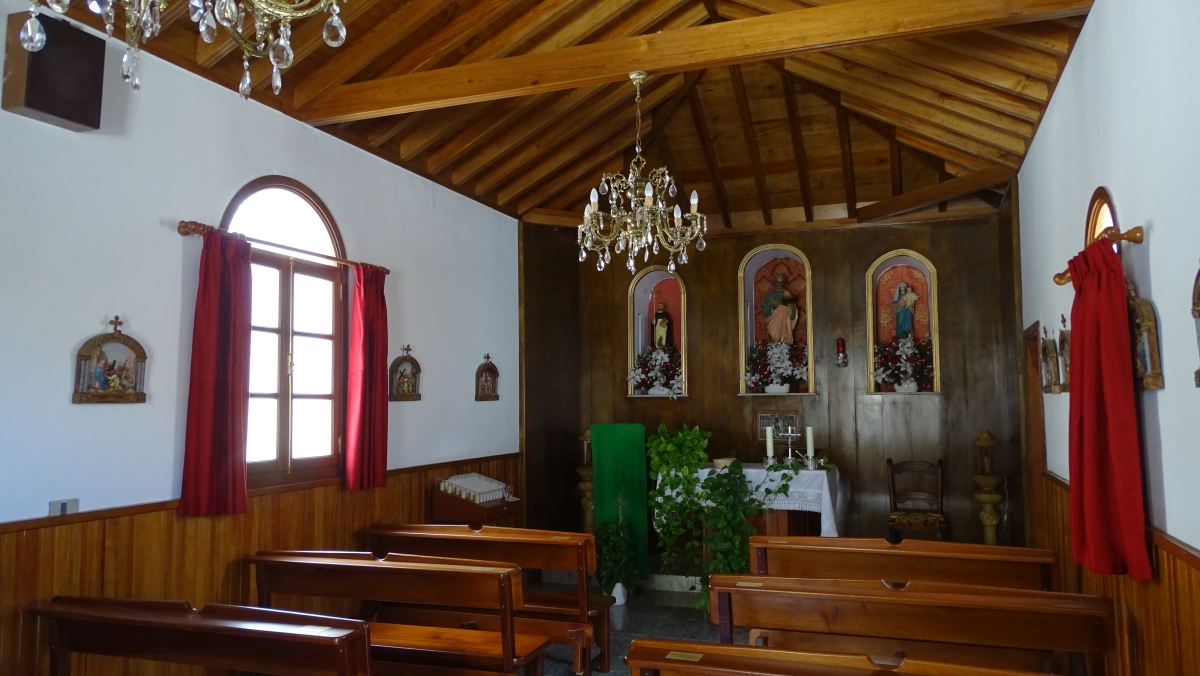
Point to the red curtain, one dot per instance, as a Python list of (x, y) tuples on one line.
[(214, 461), (1108, 523), (367, 385)]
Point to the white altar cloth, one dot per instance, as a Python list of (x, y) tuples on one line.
[(811, 491)]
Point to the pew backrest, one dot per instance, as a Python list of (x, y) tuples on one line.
[(220, 636), (878, 559)]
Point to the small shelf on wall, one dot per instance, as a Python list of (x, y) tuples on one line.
[(655, 396), (767, 394)]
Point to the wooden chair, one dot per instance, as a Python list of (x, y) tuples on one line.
[(477, 586), (528, 548), (878, 559), (220, 636), (914, 510), (650, 657), (927, 612)]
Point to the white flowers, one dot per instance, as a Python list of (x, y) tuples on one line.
[(783, 364), (654, 370)]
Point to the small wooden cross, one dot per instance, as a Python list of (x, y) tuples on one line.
[(407, 349), (487, 357), (116, 323), (621, 504), (1063, 319)]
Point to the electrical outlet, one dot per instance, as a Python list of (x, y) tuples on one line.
[(60, 507)]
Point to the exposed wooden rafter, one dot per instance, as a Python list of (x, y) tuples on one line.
[(710, 154), (937, 193), (747, 120), (798, 152)]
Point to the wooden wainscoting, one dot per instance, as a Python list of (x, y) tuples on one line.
[(1158, 622), (153, 552)]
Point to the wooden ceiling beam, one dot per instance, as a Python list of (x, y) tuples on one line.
[(935, 194), (357, 54), (384, 130), (967, 126), (896, 167), (798, 152), (727, 43), (425, 135), (843, 125), (498, 115), (922, 127), (870, 79), (954, 63), (926, 147), (613, 97), (747, 124), (700, 120), (1050, 37), (1002, 53), (586, 139), (610, 150), (552, 217)]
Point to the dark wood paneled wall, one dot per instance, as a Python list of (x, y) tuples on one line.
[(979, 356), (153, 552), (550, 375)]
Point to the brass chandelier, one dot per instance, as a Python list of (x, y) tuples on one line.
[(639, 219)]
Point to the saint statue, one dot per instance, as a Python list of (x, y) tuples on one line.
[(780, 308), (662, 328), (904, 304)]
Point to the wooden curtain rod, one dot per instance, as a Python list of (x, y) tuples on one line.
[(1112, 234), (196, 228)]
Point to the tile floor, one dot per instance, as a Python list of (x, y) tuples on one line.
[(650, 614)]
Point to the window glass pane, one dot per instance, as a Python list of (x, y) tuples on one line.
[(262, 428), (264, 362), (264, 296), (281, 216), (312, 305), (312, 428), (312, 365)]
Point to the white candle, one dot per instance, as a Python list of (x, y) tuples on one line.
[(808, 440), (770, 442)]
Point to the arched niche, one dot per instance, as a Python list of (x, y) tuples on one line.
[(651, 287), (756, 283), (902, 302)]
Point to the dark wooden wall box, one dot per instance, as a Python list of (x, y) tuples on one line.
[(63, 83), (451, 509)]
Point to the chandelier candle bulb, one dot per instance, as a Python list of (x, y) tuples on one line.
[(595, 199), (808, 441), (695, 200)]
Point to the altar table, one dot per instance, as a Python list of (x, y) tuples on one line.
[(809, 491)]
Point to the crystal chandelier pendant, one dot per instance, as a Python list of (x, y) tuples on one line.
[(335, 30), (32, 36), (128, 64), (247, 84), (276, 80), (60, 6), (241, 20), (195, 10), (227, 11), (700, 244), (109, 16), (582, 255), (208, 24), (95, 6), (281, 50), (671, 264)]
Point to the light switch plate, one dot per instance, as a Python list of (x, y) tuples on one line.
[(60, 507)]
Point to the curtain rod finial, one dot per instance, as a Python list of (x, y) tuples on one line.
[(192, 228)]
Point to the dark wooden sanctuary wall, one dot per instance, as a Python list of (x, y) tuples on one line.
[(859, 431)]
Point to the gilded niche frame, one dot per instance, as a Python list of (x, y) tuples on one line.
[(631, 338), (931, 276), (742, 328)]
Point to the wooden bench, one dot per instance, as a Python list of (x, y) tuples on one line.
[(650, 657), (220, 636), (878, 559), (561, 612), (928, 612), (417, 581)]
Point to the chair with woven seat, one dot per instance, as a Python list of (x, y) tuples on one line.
[(914, 510)]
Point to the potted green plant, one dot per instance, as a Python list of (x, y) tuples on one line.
[(614, 565), (675, 459)]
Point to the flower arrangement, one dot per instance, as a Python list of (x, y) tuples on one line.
[(658, 368), (905, 362), (776, 363)]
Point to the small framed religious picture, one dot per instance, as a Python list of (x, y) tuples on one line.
[(404, 378), (487, 380), (779, 421), (1051, 382), (110, 369), (1146, 356), (1064, 354)]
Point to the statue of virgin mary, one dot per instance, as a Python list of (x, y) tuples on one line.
[(904, 304)]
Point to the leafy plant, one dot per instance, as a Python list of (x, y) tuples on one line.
[(675, 458), (614, 551)]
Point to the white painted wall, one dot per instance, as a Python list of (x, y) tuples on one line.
[(1124, 116), (88, 231)]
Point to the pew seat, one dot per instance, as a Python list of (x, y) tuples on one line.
[(649, 657), (471, 648)]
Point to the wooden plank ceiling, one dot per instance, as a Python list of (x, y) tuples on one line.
[(804, 136)]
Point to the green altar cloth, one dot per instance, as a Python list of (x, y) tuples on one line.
[(619, 477)]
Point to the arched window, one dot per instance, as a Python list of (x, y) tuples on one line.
[(297, 361), (1101, 215)]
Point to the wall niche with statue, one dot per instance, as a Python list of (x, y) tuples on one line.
[(902, 324), (657, 355), (775, 321)]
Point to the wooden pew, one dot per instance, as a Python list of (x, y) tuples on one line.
[(528, 548), (928, 612), (878, 559), (220, 636), (478, 586), (650, 657)]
